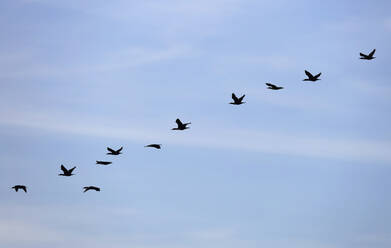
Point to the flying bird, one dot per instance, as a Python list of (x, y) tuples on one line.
[(91, 188), (369, 56), (157, 146), (114, 152), (103, 162), (18, 187), (311, 77), (237, 101), (273, 87), (66, 172), (181, 126)]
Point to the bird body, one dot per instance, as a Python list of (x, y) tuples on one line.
[(157, 146), (114, 152), (181, 126), (273, 87), (18, 187), (66, 172), (237, 101), (87, 188), (103, 162), (369, 56), (311, 77)]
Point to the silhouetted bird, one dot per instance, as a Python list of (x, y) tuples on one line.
[(66, 172), (103, 162), (157, 146), (91, 188), (311, 77), (237, 101), (181, 126), (18, 187), (114, 152), (369, 56), (273, 87)]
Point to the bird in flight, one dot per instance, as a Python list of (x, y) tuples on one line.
[(103, 162), (181, 126), (114, 152), (273, 87), (18, 187), (237, 101), (157, 146), (91, 188), (369, 56), (311, 77), (66, 172)]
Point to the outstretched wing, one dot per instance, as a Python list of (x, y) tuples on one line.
[(64, 169), (308, 74), (317, 75), (241, 98), (70, 171), (372, 53), (270, 85), (363, 55), (178, 122), (234, 97), (110, 150), (120, 149)]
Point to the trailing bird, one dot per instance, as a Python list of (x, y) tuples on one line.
[(157, 146), (273, 87), (103, 162), (181, 126), (311, 77), (18, 187), (114, 152), (66, 172), (369, 56), (91, 188), (237, 101)]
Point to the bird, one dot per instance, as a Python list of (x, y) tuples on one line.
[(157, 146), (18, 187), (311, 77), (273, 87), (66, 172), (369, 56), (114, 152), (91, 188), (103, 162), (237, 101), (181, 126)]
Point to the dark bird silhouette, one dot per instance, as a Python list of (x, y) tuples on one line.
[(66, 172), (237, 101), (91, 188), (18, 187), (273, 87), (369, 56), (157, 146), (114, 152), (103, 162), (181, 126), (311, 77)]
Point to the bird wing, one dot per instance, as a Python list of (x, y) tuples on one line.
[(64, 169), (363, 55), (308, 74), (24, 188), (234, 97), (372, 53), (86, 189), (271, 85), (317, 75), (120, 149), (241, 98), (110, 150), (70, 170), (178, 122)]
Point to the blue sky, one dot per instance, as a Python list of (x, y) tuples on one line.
[(304, 167)]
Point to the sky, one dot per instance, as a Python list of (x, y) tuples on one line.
[(304, 167)]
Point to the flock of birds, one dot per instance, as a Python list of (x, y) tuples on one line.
[(182, 126)]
